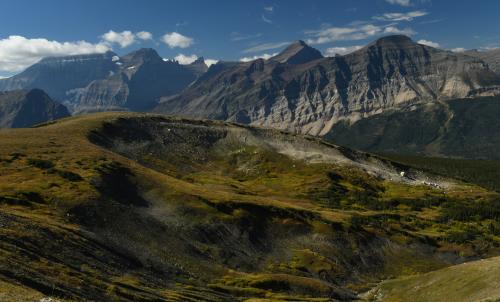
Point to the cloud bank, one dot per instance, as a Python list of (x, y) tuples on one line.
[(18, 52), (333, 51), (175, 39), (428, 43), (264, 56)]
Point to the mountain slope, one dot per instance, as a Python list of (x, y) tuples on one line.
[(136, 207), (459, 128), (20, 108), (310, 94), (474, 281)]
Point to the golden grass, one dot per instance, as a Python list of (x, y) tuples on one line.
[(473, 281)]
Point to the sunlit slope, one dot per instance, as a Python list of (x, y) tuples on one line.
[(134, 207), (473, 281)]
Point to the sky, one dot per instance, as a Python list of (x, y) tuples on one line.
[(233, 30)]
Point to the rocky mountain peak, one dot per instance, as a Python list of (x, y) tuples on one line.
[(198, 66), (200, 60), (298, 53), (142, 55)]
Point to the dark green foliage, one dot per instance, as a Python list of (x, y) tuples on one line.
[(471, 210), (378, 220), (394, 131), (116, 182), (462, 236), (69, 175), (416, 204), (450, 128), (485, 173), (40, 163), (335, 192), (49, 167)]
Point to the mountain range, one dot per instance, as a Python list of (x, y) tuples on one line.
[(348, 99), (101, 82), (300, 91), (210, 206)]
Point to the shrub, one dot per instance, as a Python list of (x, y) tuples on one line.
[(69, 175), (40, 163)]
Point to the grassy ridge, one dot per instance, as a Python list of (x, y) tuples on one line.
[(178, 210)]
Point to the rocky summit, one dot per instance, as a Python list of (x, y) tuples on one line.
[(298, 90)]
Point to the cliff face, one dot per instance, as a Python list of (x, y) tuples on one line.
[(299, 91), (20, 109)]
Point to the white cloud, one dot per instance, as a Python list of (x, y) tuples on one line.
[(458, 49), (144, 35), (429, 43), (396, 31), (332, 51), (359, 31), (124, 38), (265, 19), (391, 17), (236, 36), (184, 59), (18, 52), (269, 8), (265, 46), (175, 39), (211, 62), (264, 56), (399, 2), (2, 77)]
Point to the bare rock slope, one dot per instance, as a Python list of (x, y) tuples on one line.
[(301, 91)]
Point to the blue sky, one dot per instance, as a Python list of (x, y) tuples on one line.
[(233, 30)]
